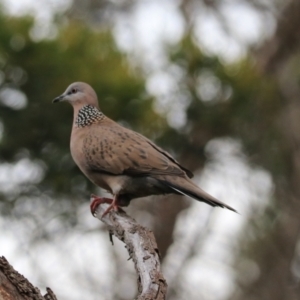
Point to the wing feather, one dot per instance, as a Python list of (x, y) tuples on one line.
[(113, 149)]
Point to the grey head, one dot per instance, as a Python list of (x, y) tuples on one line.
[(78, 94)]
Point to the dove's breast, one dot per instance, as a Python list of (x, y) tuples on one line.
[(111, 183)]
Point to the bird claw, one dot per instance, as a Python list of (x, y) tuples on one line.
[(96, 201)]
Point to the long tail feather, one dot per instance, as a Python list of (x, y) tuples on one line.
[(193, 191)]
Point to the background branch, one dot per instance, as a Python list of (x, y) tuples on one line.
[(14, 286)]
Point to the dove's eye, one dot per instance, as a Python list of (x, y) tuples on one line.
[(74, 91)]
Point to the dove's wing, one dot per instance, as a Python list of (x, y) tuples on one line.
[(111, 148)]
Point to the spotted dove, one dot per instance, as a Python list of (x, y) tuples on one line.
[(121, 161)]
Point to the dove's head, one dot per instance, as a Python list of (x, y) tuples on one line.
[(78, 94)]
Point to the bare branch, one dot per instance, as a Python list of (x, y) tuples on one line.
[(142, 248)]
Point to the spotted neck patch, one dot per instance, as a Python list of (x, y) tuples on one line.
[(88, 115)]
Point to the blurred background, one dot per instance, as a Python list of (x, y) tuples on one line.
[(214, 82)]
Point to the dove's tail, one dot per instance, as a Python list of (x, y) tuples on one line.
[(189, 188)]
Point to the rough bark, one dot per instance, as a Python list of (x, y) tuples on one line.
[(14, 286), (142, 248)]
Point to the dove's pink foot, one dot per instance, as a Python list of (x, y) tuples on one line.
[(96, 201), (100, 200)]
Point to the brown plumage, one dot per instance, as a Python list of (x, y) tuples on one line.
[(121, 161)]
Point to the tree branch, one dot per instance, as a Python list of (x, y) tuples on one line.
[(142, 248), (14, 286)]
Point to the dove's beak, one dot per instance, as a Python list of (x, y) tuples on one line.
[(58, 99)]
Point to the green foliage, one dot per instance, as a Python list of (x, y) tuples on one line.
[(42, 70), (245, 105), (240, 103)]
